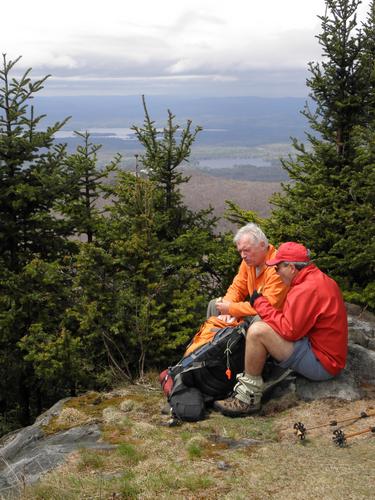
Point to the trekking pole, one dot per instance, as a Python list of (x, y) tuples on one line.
[(301, 431), (339, 437)]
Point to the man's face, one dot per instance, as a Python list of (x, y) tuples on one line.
[(254, 254), (286, 272)]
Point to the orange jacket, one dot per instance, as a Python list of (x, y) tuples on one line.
[(246, 281)]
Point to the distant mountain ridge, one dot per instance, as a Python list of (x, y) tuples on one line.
[(232, 121)]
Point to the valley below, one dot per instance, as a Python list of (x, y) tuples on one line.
[(205, 190)]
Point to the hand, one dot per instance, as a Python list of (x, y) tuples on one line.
[(223, 306), (254, 296)]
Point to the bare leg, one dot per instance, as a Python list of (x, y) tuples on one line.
[(261, 340)]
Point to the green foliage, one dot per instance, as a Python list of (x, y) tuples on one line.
[(48, 345), (339, 83), (129, 453), (96, 316), (32, 242), (38, 351), (240, 217), (142, 297), (329, 203), (163, 159), (30, 164), (86, 183)]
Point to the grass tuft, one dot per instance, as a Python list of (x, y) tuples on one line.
[(90, 459), (129, 453), (194, 450), (129, 490)]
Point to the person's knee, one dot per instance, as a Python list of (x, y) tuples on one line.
[(258, 329)]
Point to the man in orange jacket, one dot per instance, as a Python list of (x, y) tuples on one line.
[(253, 274), (309, 335)]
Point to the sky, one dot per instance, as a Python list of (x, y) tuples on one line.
[(167, 47)]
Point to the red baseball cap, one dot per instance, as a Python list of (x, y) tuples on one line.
[(290, 252)]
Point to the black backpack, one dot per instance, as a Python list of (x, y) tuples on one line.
[(207, 374)]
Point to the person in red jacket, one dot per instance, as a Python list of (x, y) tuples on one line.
[(309, 335)]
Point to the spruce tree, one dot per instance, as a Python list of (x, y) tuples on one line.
[(86, 181), (30, 183), (368, 61), (165, 155), (319, 207), (30, 167)]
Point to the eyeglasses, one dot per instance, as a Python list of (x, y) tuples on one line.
[(282, 264)]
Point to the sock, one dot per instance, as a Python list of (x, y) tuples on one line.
[(247, 386)]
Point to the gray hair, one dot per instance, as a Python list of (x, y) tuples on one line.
[(252, 231), (298, 265)]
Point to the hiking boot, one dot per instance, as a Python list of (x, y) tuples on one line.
[(234, 407), (246, 398)]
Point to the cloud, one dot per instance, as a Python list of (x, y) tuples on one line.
[(253, 82), (165, 43), (194, 19)]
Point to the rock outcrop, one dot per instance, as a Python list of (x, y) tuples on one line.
[(29, 452)]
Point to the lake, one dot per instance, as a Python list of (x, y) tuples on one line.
[(257, 161), (127, 134)]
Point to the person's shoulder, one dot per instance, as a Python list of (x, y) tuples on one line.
[(329, 280), (324, 283), (307, 279), (316, 273)]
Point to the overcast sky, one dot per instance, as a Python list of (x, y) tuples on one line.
[(186, 47)]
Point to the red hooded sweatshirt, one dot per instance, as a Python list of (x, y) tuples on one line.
[(314, 307)]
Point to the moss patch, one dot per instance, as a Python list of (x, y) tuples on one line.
[(87, 408)]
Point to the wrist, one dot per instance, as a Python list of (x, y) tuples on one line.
[(254, 296)]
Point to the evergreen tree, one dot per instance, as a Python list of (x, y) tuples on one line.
[(166, 153), (86, 181), (30, 183), (368, 61), (30, 166), (320, 206), (358, 245), (189, 244), (339, 85)]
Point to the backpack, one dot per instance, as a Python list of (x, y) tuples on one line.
[(206, 373)]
